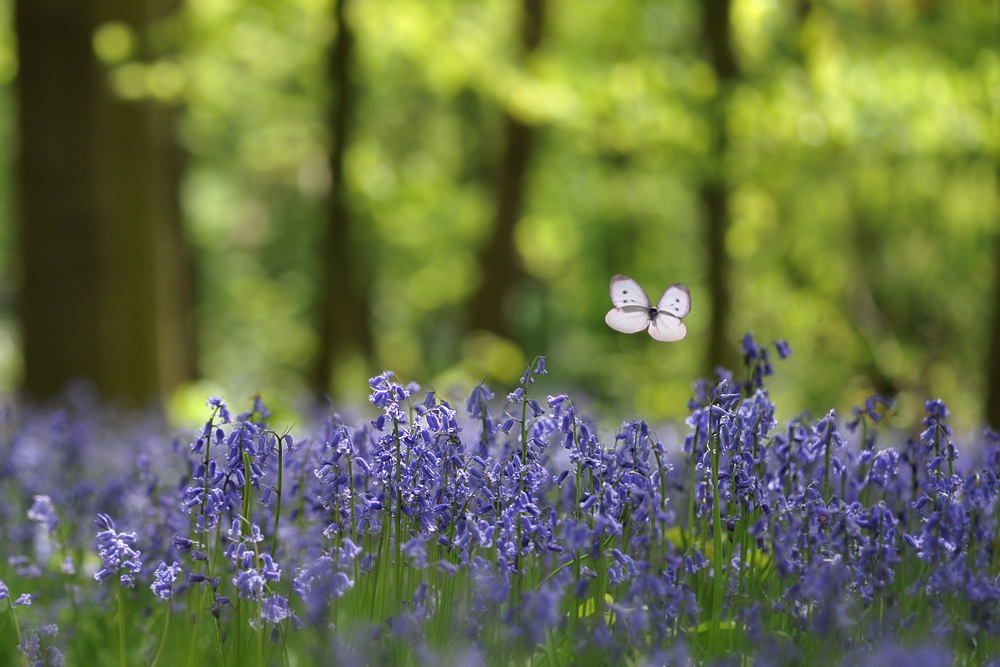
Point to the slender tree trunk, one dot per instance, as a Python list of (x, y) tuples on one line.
[(993, 345), (499, 261), (344, 313), (96, 205), (715, 186), (59, 218), (714, 201), (125, 168), (175, 270)]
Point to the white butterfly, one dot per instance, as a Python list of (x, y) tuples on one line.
[(633, 312)]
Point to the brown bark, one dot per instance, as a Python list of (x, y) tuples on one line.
[(499, 260), (59, 230), (97, 205), (714, 189), (124, 166), (344, 313), (993, 345), (714, 200), (175, 271), (175, 279)]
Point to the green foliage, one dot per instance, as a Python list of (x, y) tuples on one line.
[(862, 159)]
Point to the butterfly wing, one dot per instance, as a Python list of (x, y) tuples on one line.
[(667, 328), (626, 292), (676, 300), (628, 319)]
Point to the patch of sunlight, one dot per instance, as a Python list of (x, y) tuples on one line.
[(114, 42), (487, 355)]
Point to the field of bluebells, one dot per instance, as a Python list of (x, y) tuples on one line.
[(499, 532)]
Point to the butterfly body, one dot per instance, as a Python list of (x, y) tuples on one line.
[(633, 311)]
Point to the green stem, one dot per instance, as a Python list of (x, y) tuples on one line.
[(354, 523), (277, 511), (17, 628), (826, 469), (743, 550), (301, 513), (197, 624), (204, 503), (163, 640), (951, 463), (717, 543), (121, 626), (482, 410), (691, 494), (663, 499), (234, 650), (398, 541), (524, 435)]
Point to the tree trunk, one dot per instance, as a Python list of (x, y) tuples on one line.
[(714, 200), (993, 345), (344, 313), (97, 205), (59, 218), (714, 190), (499, 261), (175, 270)]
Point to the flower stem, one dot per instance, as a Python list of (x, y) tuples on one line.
[(691, 494), (826, 469), (121, 626), (717, 544), (163, 641), (277, 510), (17, 628)]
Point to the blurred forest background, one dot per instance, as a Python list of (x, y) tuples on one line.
[(288, 196)]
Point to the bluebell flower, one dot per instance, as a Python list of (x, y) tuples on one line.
[(163, 580), (896, 656), (475, 405), (275, 609), (220, 405), (24, 567), (118, 557), (259, 407), (348, 552), (750, 350), (416, 551), (42, 512), (249, 583), (269, 568), (936, 411), (30, 647)]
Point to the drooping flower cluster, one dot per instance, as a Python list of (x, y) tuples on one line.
[(118, 557)]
